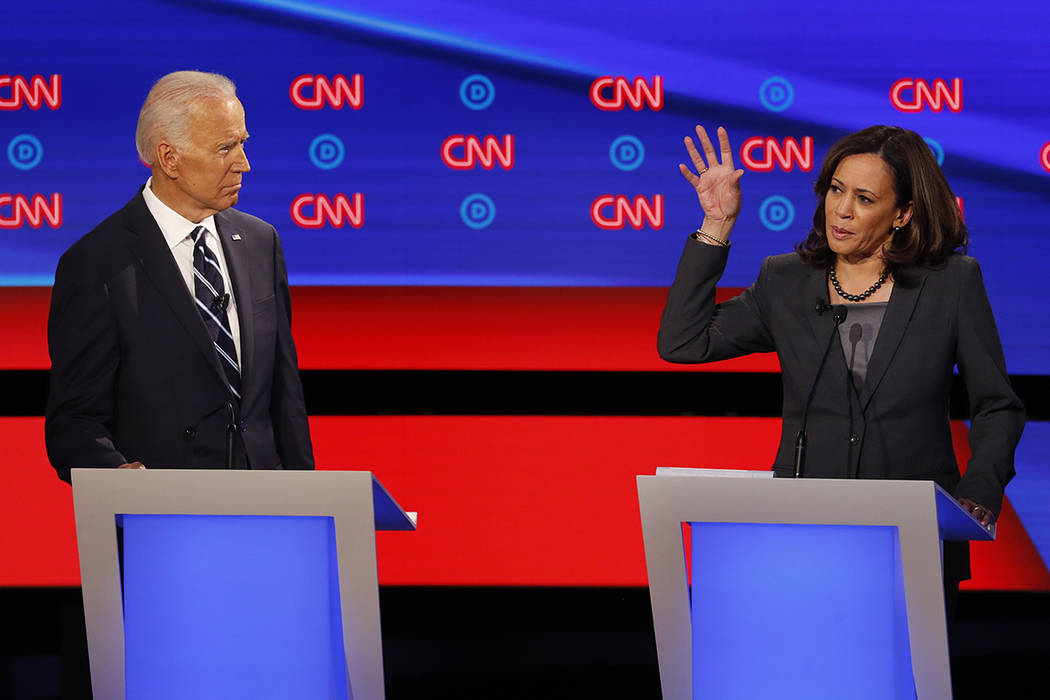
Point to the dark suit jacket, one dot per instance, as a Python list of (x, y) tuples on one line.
[(934, 321), (134, 376)]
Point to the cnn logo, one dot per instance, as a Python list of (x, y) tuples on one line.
[(461, 152), (17, 90), (614, 93), (315, 91), (34, 211), (617, 211), (314, 211), (764, 153), (915, 95)]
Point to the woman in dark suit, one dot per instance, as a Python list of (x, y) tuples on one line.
[(886, 243)]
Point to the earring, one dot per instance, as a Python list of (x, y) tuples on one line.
[(896, 229)]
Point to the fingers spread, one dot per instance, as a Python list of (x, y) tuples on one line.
[(727, 151), (693, 155), (689, 175), (709, 150)]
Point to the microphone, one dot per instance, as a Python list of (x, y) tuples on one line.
[(221, 302), (820, 307), (838, 315)]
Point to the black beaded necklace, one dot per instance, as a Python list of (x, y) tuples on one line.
[(856, 297)]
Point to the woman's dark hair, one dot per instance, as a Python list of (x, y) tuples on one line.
[(936, 229)]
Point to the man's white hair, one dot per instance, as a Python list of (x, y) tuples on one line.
[(169, 106)]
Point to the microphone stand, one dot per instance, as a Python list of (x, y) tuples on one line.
[(231, 428), (838, 315)]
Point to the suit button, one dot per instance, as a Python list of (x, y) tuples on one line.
[(189, 434), (243, 427), (854, 439)]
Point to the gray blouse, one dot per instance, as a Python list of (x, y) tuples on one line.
[(858, 333)]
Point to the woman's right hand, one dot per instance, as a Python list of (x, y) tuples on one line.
[(716, 181)]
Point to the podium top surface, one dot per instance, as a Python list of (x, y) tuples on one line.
[(716, 498), (234, 492)]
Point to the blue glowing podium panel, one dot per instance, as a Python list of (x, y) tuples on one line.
[(798, 612), (219, 606), (236, 584), (801, 588)]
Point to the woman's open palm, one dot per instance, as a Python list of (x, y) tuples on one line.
[(716, 181)]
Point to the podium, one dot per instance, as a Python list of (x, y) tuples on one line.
[(800, 588), (232, 584)]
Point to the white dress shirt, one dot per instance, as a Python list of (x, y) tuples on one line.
[(177, 230)]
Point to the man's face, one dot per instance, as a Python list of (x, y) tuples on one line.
[(210, 166)]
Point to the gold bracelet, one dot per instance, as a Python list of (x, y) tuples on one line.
[(714, 239)]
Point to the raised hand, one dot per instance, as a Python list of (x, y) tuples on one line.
[(716, 181)]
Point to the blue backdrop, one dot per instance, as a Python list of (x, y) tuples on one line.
[(431, 70)]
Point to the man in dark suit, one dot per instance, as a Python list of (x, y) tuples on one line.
[(170, 323)]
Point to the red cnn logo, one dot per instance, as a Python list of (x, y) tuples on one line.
[(33, 92), (787, 154), (33, 212), (1044, 156), (923, 95), (962, 212), (614, 93), (616, 211), (336, 92), (336, 211), (474, 151)]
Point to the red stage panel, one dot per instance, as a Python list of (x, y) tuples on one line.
[(503, 500), (507, 328), (23, 313), (528, 500), (37, 538)]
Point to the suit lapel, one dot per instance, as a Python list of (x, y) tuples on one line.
[(898, 313), (157, 262), (233, 247), (815, 290)]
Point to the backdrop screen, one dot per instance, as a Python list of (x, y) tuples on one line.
[(399, 142)]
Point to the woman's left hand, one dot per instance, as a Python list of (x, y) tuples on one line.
[(985, 516)]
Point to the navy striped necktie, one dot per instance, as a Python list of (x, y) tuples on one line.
[(212, 300)]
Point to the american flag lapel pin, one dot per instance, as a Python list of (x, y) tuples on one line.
[(236, 236)]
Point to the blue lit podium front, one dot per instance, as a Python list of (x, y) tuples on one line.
[(800, 588), (232, 584)]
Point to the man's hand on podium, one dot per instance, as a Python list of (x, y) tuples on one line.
[(132, 465), (983, 515)]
